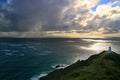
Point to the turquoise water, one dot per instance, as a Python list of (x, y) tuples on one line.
[(28, 59)]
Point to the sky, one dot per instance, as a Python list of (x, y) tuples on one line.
[(60, 18)]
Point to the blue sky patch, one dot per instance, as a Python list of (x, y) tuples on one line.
[(101, 2)]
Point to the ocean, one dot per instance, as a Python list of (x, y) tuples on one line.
[(30, 58)]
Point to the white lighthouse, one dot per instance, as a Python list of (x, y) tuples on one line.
[(109, 50)]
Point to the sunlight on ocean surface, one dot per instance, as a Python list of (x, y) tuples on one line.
[(100, 45), (96, 47), (29, 59)]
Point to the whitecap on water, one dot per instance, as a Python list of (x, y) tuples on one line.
[(15, 51), (43, 54), (47, 51), (22, 54), (8, 54), (16, 45), (6, 50)]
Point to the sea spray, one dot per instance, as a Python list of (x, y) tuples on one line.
[(37, 77)]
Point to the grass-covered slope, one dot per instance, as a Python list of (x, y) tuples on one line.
[(103, 66)]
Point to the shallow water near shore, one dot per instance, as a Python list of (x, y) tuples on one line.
[(29, 59)]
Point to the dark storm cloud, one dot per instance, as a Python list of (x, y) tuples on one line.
[(32, 15), (39, 14)]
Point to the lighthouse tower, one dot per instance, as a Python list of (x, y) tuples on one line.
[(109, 50)]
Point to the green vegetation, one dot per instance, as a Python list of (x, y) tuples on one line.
[(103, 66)]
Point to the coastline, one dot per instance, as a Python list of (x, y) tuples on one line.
[(37, 77), (88, 68)]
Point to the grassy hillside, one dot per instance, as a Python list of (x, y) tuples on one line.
[(103, 66)]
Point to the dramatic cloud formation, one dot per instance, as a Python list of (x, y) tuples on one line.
[(53, 17)]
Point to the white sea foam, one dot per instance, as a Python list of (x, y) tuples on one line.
[(43, 54), (22, 54), (47, 51), (37, 77), (8, 54), (6, 50), (16, 45), (15, 51)]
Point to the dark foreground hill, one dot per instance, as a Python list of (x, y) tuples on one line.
[(103, 66)]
